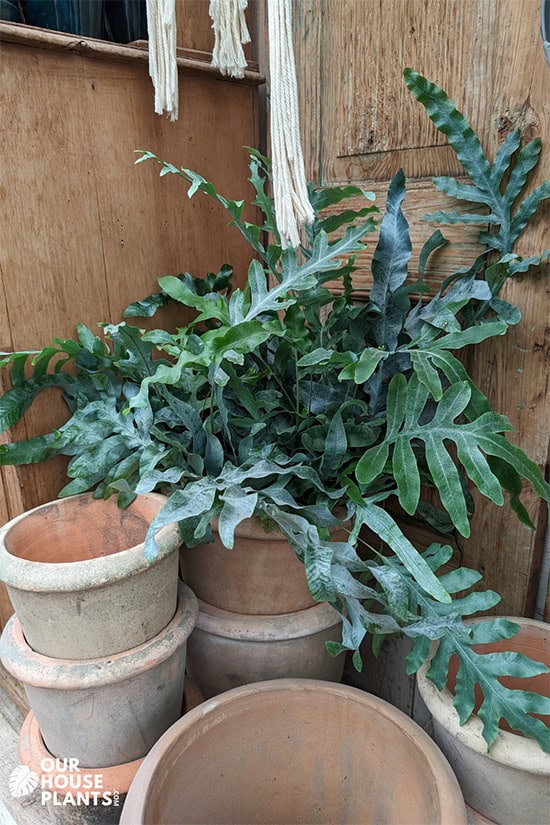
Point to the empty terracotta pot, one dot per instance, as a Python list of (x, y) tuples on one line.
[(510, 783), (261, 575), (294, 751), (230, 649), (109, 710), (78, 578)]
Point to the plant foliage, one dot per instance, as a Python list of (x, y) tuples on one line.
[(284, 400)]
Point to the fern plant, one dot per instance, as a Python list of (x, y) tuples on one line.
[(283, 401)]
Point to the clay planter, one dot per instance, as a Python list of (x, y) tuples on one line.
[(78, 578), (115, 780), (511, 783), (229, 649), (295, 751), (260, 576), (109, 710)]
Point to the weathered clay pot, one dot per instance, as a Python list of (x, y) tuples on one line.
[(109, 710), (115, 780), (229, 649), (295, 751), (509, 784), (78, 578), (261, 575)]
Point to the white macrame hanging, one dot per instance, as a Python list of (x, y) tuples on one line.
[(163, 67), (292, 206), (230, 33)]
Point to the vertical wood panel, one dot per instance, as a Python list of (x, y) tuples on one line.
[(361, 125), (514, 371), (194, 26), (84, 231)]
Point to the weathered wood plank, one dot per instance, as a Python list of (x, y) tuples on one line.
[(14, 691), (194, 26), (514, 370), (191, 60), (364, 125), (422, 198), (87, 232)]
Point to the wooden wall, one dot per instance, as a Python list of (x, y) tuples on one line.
[(360, 124), (84, 232)]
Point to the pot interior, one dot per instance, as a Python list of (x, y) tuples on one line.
[(79, 528), (307, 756), (533, 641)]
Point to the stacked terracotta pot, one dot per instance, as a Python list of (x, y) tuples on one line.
[(257, 619), (99, 636)]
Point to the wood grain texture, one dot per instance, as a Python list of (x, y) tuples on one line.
[(361, 125), (421, 197), (194, 26), (190, 60), (84, 232)]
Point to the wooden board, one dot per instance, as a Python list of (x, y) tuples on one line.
[(84, 232), (194, 26), (360, 124)]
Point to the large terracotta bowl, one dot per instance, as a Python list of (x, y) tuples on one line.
[(294, 751)]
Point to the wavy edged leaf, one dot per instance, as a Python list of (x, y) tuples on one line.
[(487, 180), (486, 670), (383, 525), (196, 499), (15, 401), (393, 250), (445, 116), (472, 440)]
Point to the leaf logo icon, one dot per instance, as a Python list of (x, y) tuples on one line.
[(22, 781)]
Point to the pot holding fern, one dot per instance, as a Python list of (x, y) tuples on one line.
[(260, 575), (508, 781), (254, 572)]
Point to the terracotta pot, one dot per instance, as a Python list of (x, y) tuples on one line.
[(114, 781), (260, 576), (109, 710), (295, 751), (78, 578), (509, 784), (228, 649)]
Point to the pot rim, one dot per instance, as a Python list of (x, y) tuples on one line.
[(89, 574), (509, 748), (266, 628), (47, 673), (214, 710)]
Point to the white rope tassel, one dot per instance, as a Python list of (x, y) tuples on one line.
[(163, 68), (292, 206), (230, 32)]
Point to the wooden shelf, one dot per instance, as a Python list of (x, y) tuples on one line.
[(189, 60)]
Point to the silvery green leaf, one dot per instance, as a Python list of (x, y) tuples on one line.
[(194, 500), (238, 505)]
